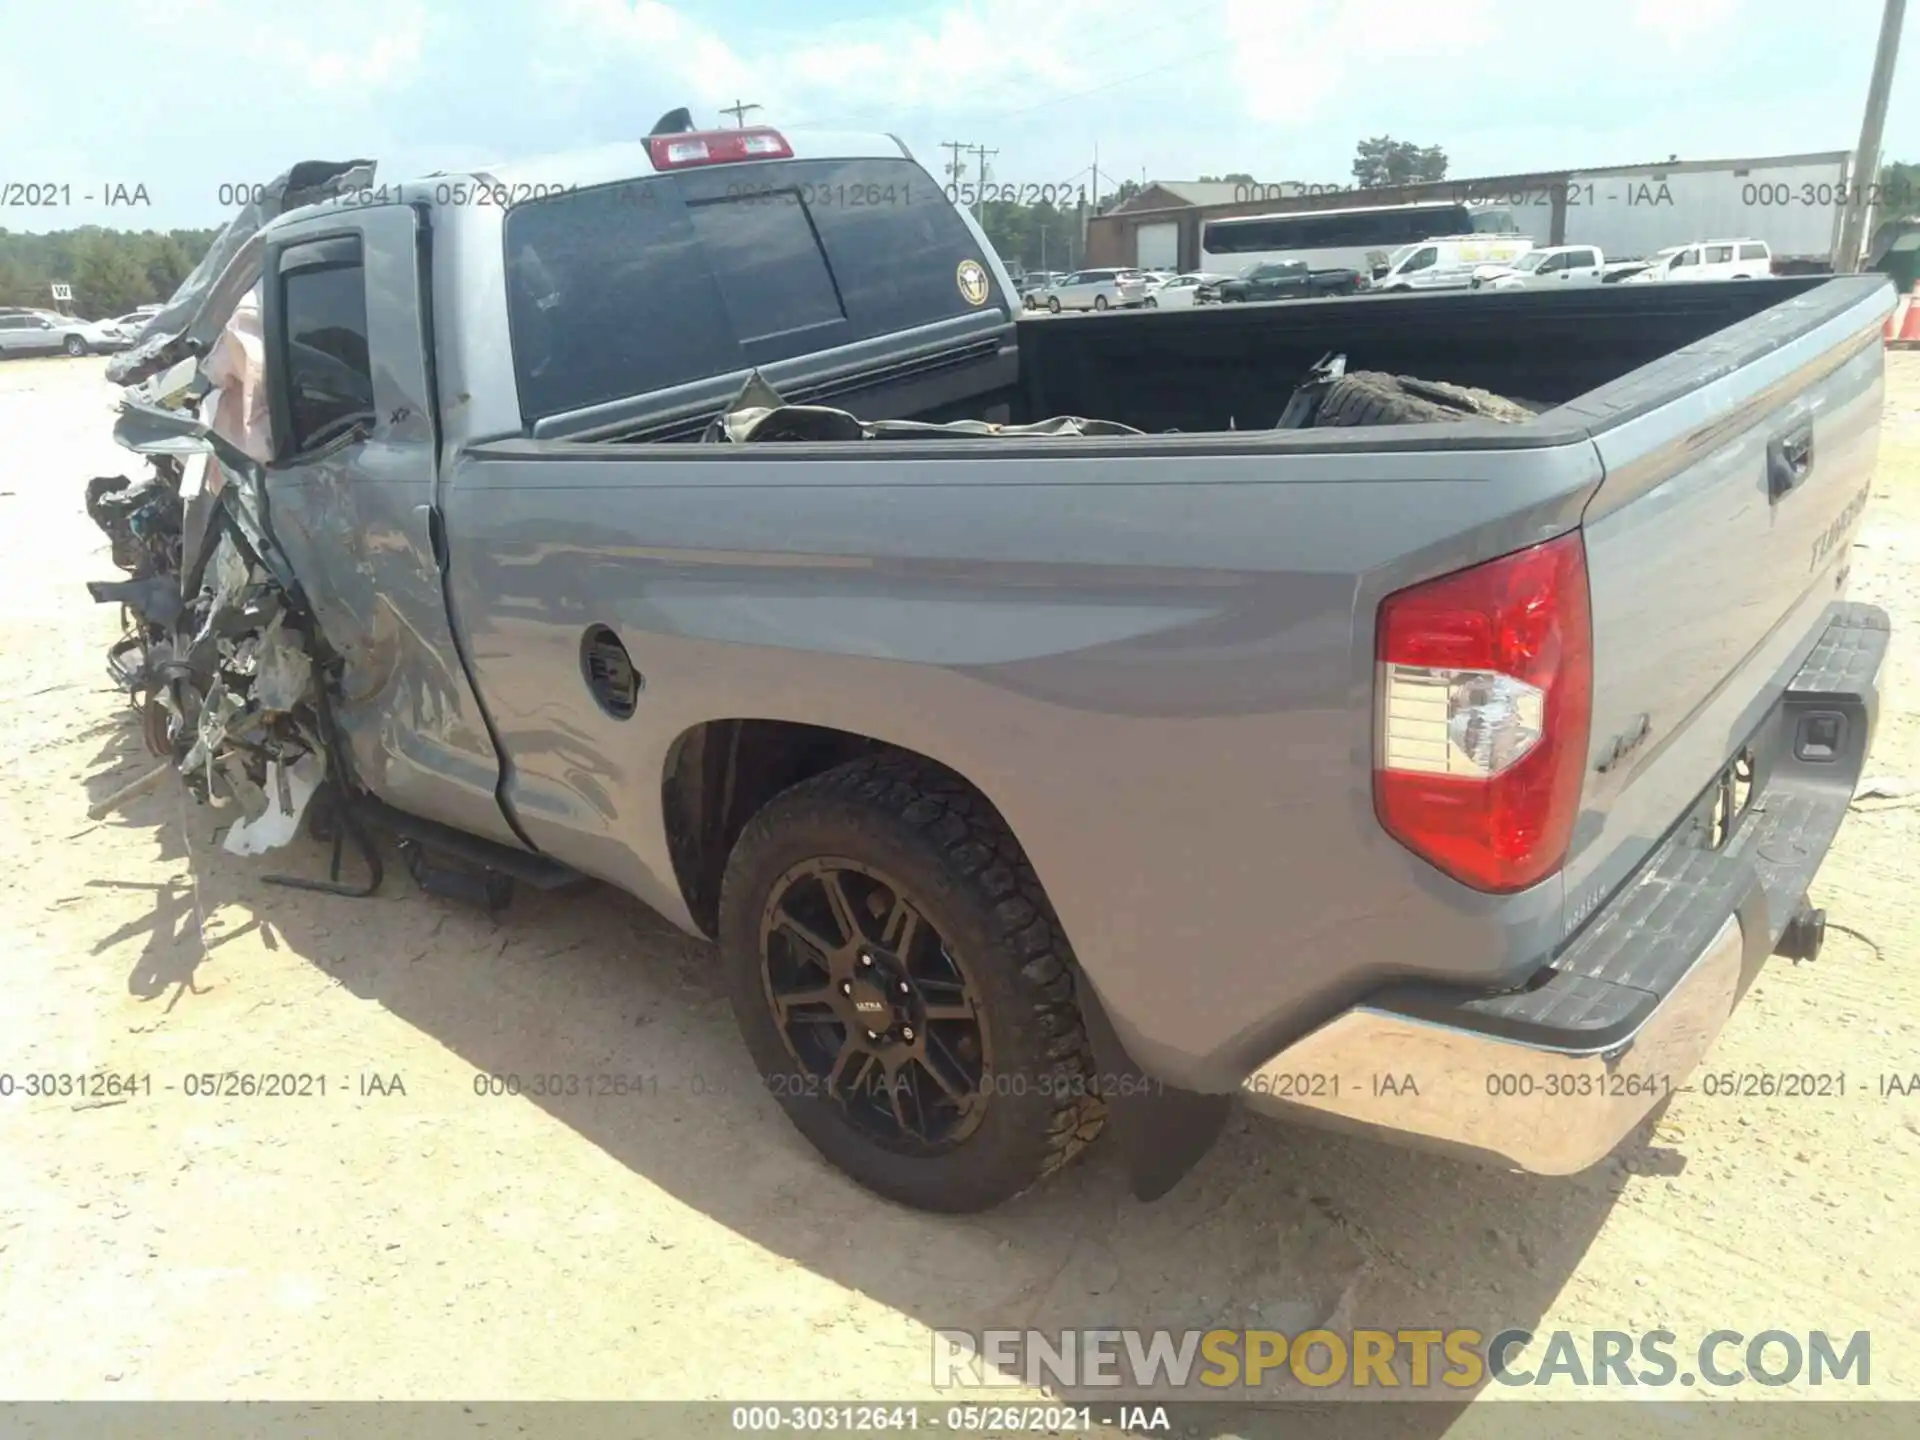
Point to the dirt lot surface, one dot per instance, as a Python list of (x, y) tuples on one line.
[(412, 1239)]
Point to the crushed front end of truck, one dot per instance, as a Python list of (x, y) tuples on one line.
[(219, 654)]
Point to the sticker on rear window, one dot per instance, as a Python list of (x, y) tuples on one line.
[(972, 278)]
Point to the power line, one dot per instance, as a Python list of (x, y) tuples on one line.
[(739, 110)]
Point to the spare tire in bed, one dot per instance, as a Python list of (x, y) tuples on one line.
[(1369, 397)]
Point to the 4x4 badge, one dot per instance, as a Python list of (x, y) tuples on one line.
[(972, 279)]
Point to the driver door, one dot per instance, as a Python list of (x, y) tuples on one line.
[(351, 500)]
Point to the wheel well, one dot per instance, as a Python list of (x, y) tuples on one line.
[(719, 775)]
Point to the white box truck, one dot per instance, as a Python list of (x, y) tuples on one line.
[(1793, 202)]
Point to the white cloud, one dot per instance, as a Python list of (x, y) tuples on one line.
[(1680, 23), (391, 59), (696, 55), (1278, 88), (975, 57), (368, 45)]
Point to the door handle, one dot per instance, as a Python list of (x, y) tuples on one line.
[(1789, 460)]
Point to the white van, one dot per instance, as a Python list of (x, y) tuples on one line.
[(1447, 262), (1708, 260)]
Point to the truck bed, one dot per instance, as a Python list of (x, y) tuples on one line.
[(1231, 368), (1214, 368)]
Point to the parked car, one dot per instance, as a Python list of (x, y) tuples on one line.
[(105, 336), (1034, 285), (40, 332), (1199, 766), (1447, 262), (1097, 290), (1554, 266), (1707, 260), (135, 321), (1180, 291), (1282, 280), (1151, 282)]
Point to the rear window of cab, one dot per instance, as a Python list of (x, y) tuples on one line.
[(625, 289)]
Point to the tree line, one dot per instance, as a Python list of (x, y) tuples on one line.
[(111, 271)]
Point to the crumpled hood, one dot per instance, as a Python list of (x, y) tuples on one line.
[(183, 328)]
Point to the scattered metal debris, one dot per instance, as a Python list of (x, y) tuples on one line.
[(218, 654)]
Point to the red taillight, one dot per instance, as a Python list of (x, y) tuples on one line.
[(717, 147), (1485, 697)]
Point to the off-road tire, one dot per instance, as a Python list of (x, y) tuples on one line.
[(1368, 397), (965, 871)]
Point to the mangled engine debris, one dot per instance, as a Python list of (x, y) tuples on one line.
[(218, 650), (217, 659)]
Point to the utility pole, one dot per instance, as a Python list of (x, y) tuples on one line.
[(739, 110), (1866, 160), (980, 154), (1086, 216), (956, 167)]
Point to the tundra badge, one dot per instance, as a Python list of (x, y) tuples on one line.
[(1843, 522)]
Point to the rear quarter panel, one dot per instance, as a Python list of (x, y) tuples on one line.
[(1155, 659)]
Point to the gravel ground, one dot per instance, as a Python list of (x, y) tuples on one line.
[(409, 1238)]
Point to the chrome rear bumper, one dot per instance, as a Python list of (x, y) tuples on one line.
[(1550, 1111)]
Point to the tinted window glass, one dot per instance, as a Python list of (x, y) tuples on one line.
[(1719, 254), (329, 379), (768, 261), (1753, 252), (1325, 231), (1243, 237), (12, 322), (657, 282)]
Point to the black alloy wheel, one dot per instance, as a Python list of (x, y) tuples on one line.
[(872, 1005), (904, 988)]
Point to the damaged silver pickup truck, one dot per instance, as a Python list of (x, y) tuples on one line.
[(1057, 724)]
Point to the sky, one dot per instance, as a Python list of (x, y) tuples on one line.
[(167, 101)]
